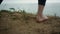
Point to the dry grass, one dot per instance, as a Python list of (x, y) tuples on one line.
[(23, 23)]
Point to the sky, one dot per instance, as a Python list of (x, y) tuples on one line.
[(29, 1)]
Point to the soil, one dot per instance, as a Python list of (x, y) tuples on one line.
[(25, 23)]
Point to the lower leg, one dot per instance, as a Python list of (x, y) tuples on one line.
[(40, 10), (40, 16)]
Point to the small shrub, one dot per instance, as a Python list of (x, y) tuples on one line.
[(55, 33), (14, 18), (0, 15), (12, 9)]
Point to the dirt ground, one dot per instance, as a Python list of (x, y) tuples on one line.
[(22, 23)]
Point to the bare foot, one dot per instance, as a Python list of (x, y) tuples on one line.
[(41, 19)]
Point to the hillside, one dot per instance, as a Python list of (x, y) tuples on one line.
[(25, 23)]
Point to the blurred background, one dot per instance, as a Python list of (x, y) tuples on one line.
[(52, 7)]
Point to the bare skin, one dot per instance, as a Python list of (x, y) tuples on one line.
[(40, 17)]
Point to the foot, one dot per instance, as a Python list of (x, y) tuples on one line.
[(41, 19)]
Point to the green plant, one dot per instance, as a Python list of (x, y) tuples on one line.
[(55, 16), (0, 15), (14, 17), (24, 14), (12, 8)]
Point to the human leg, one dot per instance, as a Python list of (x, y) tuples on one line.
[(41, 4), (1, 1)]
